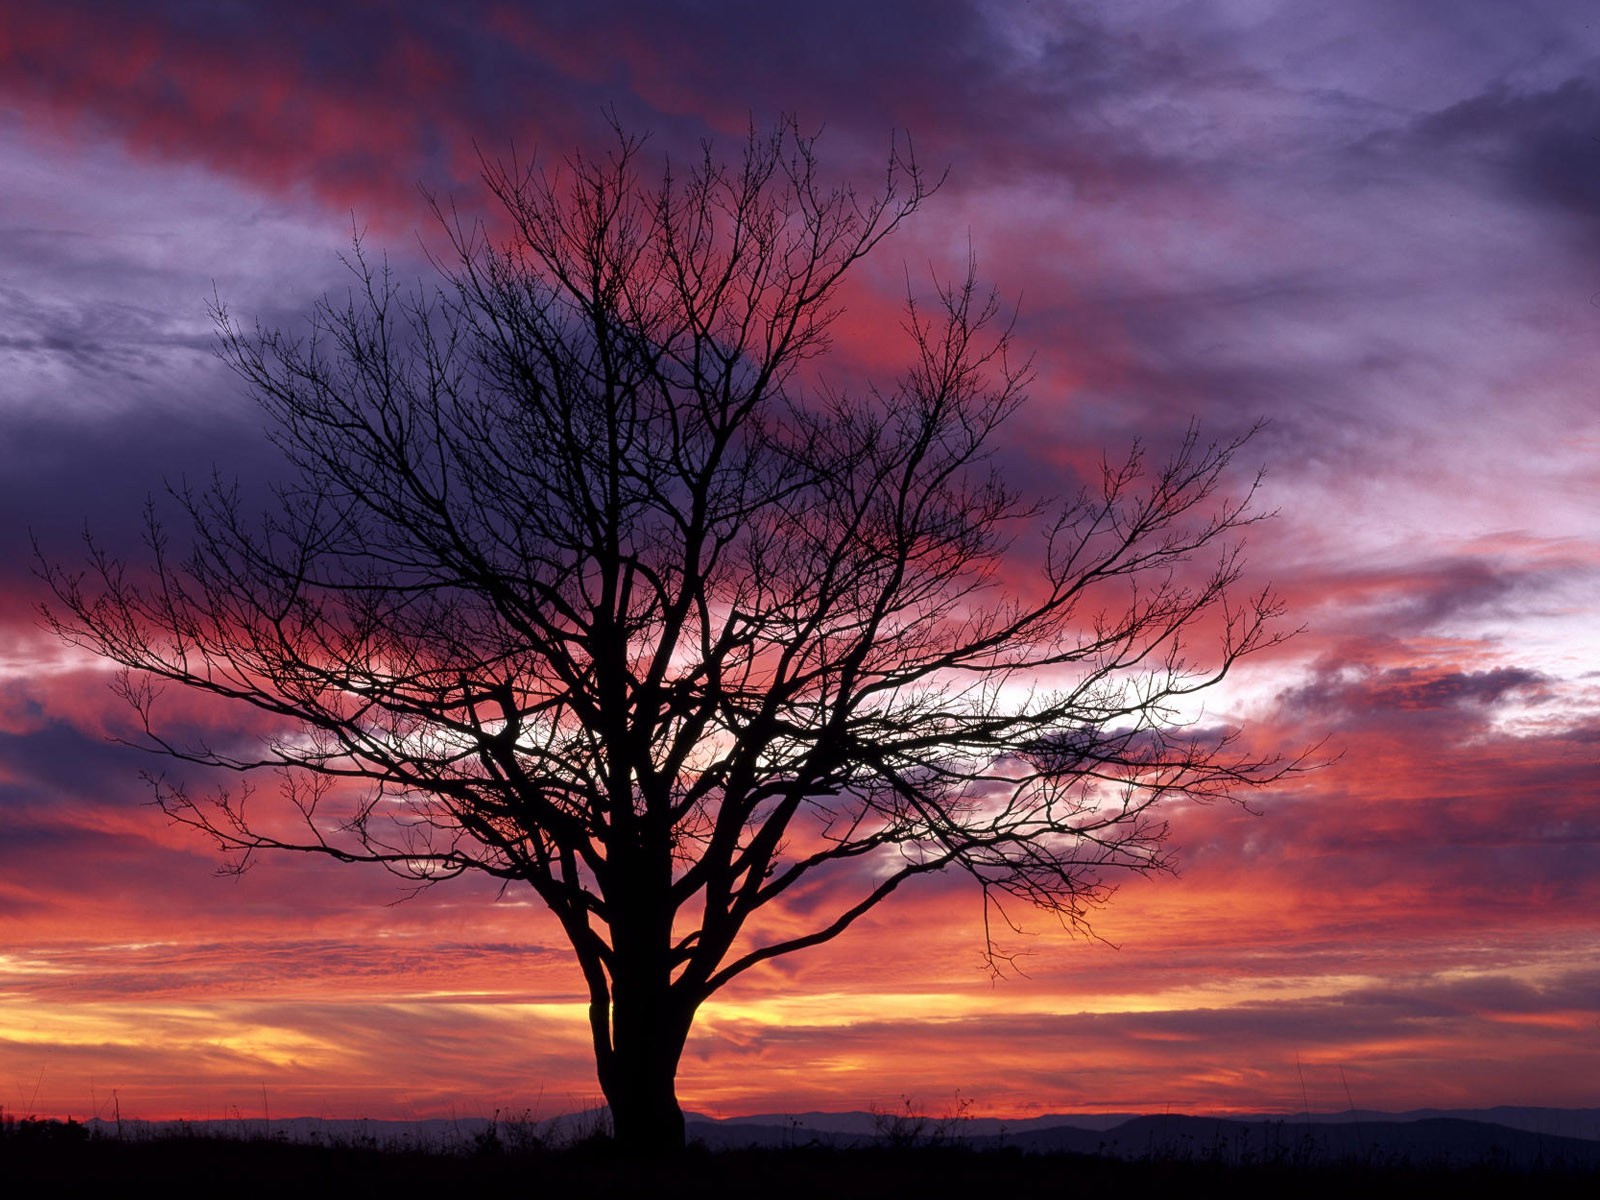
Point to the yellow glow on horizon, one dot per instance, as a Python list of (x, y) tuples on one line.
[(13, 964), (178, 1030), (839, 1009)]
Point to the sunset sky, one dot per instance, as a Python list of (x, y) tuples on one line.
[(1374, 224)]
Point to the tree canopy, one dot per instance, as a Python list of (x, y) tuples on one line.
[(587, 578)]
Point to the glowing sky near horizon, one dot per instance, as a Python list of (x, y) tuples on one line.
[(1374, 224)]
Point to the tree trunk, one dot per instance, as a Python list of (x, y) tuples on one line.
[(645, 1117), (640, 1077), (649, 1023)]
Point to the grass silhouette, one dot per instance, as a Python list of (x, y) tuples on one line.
[(40, 1157)]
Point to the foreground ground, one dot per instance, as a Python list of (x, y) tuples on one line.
[(68, 1162)]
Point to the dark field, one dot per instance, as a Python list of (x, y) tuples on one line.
[(49, 1159)]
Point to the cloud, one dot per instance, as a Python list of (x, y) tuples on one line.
[(1541, 146), (1340, 694), (1251, 1056)]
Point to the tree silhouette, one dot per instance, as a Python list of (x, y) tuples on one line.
[(577, 586)]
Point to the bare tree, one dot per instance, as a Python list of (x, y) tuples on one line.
[(579, 587)]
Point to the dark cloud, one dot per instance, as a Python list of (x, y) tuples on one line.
[(1543, 147), (1376, 608), (64, 470), (1485, 994), (1342, 693), (66, 759), (350, 103)]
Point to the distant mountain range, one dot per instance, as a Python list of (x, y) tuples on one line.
[(1511, 1137), (1517, 1137), (1559, 1122)]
